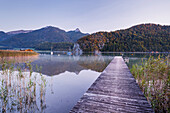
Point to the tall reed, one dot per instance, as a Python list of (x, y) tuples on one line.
[(19, 90), (153, 77)]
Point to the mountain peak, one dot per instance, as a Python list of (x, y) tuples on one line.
[(77, 30), (51, 28), (48, 27)]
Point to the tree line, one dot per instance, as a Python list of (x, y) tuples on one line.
[(140, 38)]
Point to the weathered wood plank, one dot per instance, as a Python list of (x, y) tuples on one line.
[(115, 90)]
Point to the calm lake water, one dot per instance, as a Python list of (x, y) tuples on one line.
[(66, 79)]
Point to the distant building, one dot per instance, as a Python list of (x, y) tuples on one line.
[(27, 50)]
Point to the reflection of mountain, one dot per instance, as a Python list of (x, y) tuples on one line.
[(53, 65), (65, 89)]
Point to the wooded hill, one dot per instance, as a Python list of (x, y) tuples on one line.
[(139, 38), (60, 46)]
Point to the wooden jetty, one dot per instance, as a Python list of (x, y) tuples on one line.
[(115, 90)]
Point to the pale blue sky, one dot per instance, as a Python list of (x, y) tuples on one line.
[(88, 15)]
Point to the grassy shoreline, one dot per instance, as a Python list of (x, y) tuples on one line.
[(6, 53), (153, 77)]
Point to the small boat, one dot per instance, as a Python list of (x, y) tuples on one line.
[(69, 53)]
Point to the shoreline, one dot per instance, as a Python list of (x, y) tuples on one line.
[(8, 53)]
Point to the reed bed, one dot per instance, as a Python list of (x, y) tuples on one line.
[(21, 89), (153, 77), (6, 53)]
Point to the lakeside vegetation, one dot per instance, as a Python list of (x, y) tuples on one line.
[(7, 53), (153, 77), (21, 90)]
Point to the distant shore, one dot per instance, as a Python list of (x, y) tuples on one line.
[(7, 53)]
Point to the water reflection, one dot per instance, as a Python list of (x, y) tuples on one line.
[(21, 92), (97, 63), (67, 89), (19, 59), (53, 64), (139, 58)]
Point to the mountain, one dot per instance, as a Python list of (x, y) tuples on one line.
[(77, 30), (75, 35), (36, 37), (3, 36), (139, 38), (11, 33)]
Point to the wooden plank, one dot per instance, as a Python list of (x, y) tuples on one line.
[(115, 90)]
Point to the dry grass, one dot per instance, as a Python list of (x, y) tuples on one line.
[(6, 53)]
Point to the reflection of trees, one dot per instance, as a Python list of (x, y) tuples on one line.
[(21, 91), (135, 61), (97, 63), (19, 59), (139, 58)]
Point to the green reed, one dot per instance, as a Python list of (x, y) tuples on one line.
[(19, 89), (153, 77)]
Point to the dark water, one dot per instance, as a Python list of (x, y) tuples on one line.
[(67, 78)]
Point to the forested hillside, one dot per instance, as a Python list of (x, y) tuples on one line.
[(60, 46), (140, 38)]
